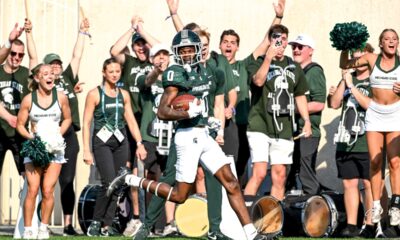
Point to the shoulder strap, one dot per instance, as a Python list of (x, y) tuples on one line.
[(311, 65)]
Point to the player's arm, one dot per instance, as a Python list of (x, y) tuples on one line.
[(165, 111), (301, 103), (219, 103)]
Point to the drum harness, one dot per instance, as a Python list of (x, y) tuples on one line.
[(345, 132), (281, 96)]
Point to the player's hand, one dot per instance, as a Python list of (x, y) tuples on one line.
[(85, 25), (196, 108), (12, 121)]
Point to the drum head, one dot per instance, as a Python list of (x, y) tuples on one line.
[(267, 215), (316, 217), (191, 217)]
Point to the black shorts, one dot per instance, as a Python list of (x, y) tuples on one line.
[(353, 165), (154, 160)]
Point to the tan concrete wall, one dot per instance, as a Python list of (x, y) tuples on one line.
[(56, 25)]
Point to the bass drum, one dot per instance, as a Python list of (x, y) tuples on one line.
[(191, 217), (267, 216), (316, 216), (87, 201)]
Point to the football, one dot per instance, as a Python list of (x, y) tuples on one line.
[(181, 102)]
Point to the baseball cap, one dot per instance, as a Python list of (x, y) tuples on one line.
[(51, 57), (157, 48), (305, 40), (136, 37)]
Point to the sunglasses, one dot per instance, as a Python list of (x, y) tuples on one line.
[(20, 55), (300, 47)]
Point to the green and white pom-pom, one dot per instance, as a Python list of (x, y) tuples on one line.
[(35, 149), (349, 36)]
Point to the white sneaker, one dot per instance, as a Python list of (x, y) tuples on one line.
[(394, 214), (29, 234), (379, 231), (376, 214), (170, 229), (132, 227), (43, 234)]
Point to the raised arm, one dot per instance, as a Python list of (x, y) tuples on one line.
[(117, 51), (173, 11), (263, 46), (366, 59), (66, 112), (6, 48), (90, 105), (261, 75), (30, 44), (147, 36), (79, 46), (133, 126)]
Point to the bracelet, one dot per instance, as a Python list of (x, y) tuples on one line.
[(84, 33), (134, 28), (7, 44), (138, 143), (280, 17)]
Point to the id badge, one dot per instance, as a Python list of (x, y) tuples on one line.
[(104, 134), (118, 134)]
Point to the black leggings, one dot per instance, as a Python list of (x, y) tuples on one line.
[(14, 145), (67, 175), (109, 158)]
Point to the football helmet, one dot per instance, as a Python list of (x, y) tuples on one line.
[(186, 38)]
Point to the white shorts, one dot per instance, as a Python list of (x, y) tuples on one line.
[(266, 149), (194, 145), (382, 118), (58, 158)]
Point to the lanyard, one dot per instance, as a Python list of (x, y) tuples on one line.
[(116, 108)]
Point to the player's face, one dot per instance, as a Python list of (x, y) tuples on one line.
[(301, 53), (46, 78), (16, 55), (112, 73), (205, 51), (389, 42), (229, 47), (187, 54), (57, 68), (141, 50)]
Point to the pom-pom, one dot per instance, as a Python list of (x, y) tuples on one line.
[(349, 36), (35, 149)]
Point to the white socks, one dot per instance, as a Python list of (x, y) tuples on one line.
[(250, 231), (43, 226), (377, 204)]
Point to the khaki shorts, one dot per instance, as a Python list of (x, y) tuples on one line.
[(272, 150)]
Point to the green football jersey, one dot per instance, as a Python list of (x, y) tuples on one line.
[(196, 83), (149, 100), (13, 88), (361, 144), (132, 69), (316, 82), (261, 120), (66, 84)]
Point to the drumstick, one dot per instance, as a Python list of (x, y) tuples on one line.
[(299, 136), (27, 7)]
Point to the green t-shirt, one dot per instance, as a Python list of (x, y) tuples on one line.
[(361, 144), (243, 71), (13, 87), (217, 86), (317, 84), (220, 62), (66, 84), (196, 83), (260, 120), (109, 111), (149, 101), (132, 69)]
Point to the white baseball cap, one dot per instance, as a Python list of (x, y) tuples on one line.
[(159, 47), (305, 40)]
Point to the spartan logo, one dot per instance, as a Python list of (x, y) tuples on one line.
[(7, 94)]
